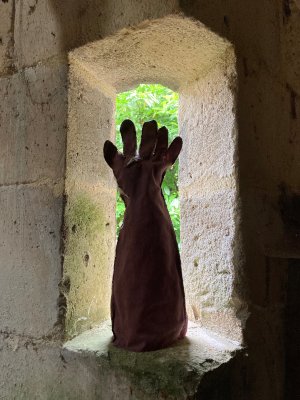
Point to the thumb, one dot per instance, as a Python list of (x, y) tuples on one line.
[(174, 150), (109, 151)]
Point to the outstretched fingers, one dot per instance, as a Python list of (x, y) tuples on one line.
[(162, 142), (148, 141), (128, 134)]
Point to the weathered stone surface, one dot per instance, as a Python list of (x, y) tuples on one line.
[(89, 256), (290, 122), (208, 127), (279, 222), (266, 38), (268, 325), (38, 31), (36, 370), (62, 26), (90, 123), (173, 373), (290, 31), (90, 210), (208, 231), (33, 124), (160, 46), (89, 368), (267, 114), (30, 257), (235, 21), (6, 36)]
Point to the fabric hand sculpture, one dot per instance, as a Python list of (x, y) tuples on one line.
[(147, 303)]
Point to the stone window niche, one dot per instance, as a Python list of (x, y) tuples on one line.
[(188, 58)]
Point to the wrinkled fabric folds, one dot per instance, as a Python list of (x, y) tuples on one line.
[(148, 303)]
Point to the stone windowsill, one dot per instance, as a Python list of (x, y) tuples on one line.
[(175, 371)]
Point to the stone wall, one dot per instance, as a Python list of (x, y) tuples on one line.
[(268, 116), (209, 201), (34, 39), (89, 240)]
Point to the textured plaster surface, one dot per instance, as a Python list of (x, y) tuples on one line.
[(208, 127), (208, 198), (62, 26), (265, 35), (290, 32), (33, 125), (34, 368), (88, 367), (89, 228), (33, 135), (90, 238), (30, 258), (209, 229), (268, 156), (6, 36), (208, 223), (90, 123), (172, 51), (173, 373)]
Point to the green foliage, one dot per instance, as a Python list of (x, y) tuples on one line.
[(144, 103)]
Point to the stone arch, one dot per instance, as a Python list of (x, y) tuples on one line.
[(184, 55)]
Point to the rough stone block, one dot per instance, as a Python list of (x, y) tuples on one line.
[(30, 258), (91, 199), (6, 36), (89, 368), (91, 122), (162, 44), (89, 256), (35, 369), (62, 26), (176, 372), (235, 21), (106, 18), (207, 249), (33, 117), (40, 19), (290, 31), (207, 126)]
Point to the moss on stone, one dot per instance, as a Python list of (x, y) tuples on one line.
[(83, 216), (86, 262), (171, 373)]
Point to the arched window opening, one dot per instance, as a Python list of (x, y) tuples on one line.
[(200, 66)]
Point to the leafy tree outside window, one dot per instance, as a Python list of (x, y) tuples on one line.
[(144, 103)]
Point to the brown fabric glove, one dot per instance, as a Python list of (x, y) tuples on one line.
[(147, 303)]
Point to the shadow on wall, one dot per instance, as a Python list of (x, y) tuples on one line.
[(76, 25), (84, 21), (266, 109)]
